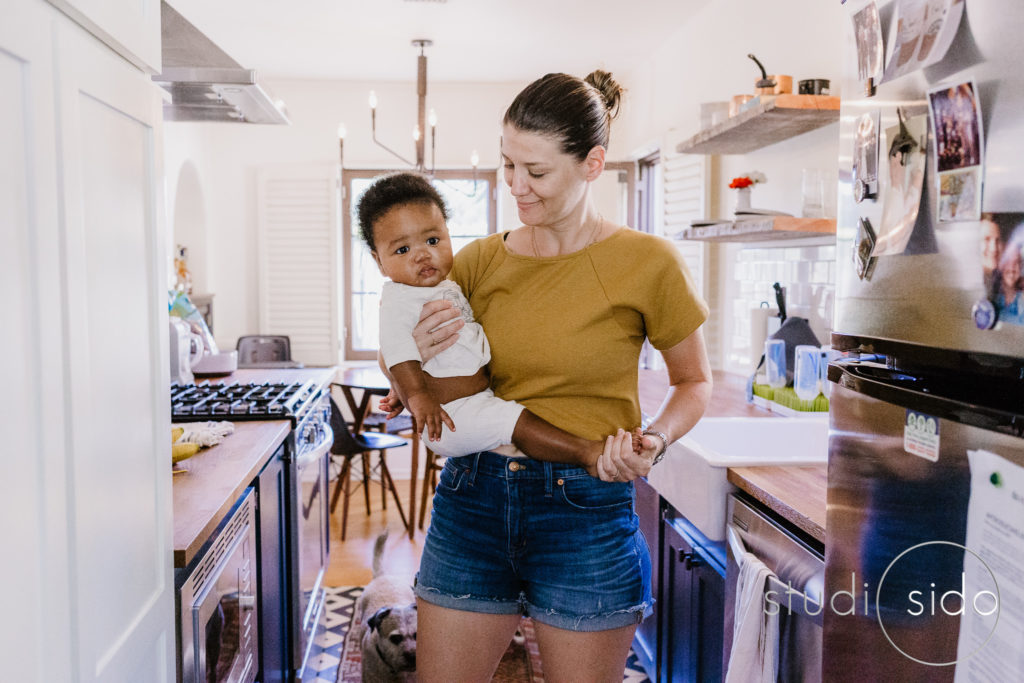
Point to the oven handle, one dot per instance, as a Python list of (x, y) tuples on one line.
[(316, 452), (804, 605)]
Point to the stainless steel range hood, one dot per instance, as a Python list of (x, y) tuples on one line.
[(205, 83)]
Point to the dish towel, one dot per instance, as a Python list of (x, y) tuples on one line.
[(205, 433), (755, 641)]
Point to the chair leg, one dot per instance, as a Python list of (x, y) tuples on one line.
[(385, 474), (383, 488), (338, 484), (348, 494), (428, 474), (366, 480)]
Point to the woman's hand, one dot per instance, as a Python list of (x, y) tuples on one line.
[(621, 462), (431, 338)]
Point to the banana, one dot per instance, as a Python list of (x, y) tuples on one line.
[(183, 451), (176, 433)]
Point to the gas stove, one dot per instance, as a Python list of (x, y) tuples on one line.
[(242, 401)]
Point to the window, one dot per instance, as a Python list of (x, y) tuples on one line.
[(473, 209)]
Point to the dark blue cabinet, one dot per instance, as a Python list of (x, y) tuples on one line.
[(683, 641)]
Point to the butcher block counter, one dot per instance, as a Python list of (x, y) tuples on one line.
[(214, 479), (796, 494)]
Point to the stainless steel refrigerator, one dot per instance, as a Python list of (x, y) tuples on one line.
[(925, 523)]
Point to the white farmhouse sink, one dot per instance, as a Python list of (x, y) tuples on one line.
[(692, 477)]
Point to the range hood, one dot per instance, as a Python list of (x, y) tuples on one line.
[(206, 84)]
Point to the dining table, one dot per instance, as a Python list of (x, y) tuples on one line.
[(369, 381)]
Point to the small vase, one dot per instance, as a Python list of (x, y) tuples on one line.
[(743, 199)]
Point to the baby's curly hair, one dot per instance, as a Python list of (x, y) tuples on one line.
[(390, 191)]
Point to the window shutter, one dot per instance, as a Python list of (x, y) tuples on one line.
[(685, 198), (298, 259)]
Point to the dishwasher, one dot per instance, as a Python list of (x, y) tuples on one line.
[(794, 589)]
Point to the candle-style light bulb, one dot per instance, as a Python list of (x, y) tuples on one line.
[(416, 133), (373, 100), (342, 131), (474, 159), (432, 118)]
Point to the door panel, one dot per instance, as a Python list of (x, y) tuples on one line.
[(117, 464), (30, 502)]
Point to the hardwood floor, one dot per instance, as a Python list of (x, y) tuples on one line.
[(351, 559)]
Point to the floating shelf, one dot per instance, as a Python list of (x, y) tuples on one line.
[(771, 120), (761, 229)]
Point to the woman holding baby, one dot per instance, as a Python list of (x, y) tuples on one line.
[(566, 300)]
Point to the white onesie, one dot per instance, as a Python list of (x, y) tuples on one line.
[(482, 421)]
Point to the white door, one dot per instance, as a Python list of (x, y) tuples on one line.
[(118, 393), (34, 567), (85, 494)]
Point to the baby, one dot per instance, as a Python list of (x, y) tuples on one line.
[(403, 221)]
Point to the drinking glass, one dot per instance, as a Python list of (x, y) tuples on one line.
[(806, 363), (775, 362)]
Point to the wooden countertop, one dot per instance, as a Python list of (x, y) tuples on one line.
[(797, 494), (728, 397), (215, 477)]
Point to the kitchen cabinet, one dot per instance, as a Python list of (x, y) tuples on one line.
[(129, 27), (648, 509), (692, 618), (684, 639), (89, 496)]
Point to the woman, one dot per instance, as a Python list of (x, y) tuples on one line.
[(566, 301), (1009, 300)]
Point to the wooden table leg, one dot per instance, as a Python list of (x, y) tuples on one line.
[(412, 484)]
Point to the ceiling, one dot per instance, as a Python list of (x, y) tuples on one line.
[(474, 40)]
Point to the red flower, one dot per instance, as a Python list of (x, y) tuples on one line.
[(741, 182)]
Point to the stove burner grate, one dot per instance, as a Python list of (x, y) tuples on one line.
[(271, 400)]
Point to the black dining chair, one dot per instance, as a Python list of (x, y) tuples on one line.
[(349, 445), (265, 351)]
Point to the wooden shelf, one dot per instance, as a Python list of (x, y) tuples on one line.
[(761, 229), (773, 119)]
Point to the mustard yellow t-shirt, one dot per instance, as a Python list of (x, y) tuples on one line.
[(566, 331)]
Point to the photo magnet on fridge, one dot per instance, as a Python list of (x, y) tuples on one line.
[(921, 34), (959, 150), (1001, 251), (867, 32)]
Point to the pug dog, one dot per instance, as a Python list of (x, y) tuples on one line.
[(387, 611)]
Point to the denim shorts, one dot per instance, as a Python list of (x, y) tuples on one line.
[(518, 536)]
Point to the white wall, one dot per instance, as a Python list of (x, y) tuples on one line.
[(706, 61), (226, 157)]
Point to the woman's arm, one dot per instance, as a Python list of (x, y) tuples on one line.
[(689, 376)]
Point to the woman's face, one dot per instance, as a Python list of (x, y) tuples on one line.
[(548, 184), (1011, 271), (991, 245)]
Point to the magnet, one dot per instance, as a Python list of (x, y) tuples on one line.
[(984, 314)]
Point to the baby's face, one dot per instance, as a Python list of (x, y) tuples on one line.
[(413, 246)]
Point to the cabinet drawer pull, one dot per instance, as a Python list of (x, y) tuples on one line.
[(691, 560)]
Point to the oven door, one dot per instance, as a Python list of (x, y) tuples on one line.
[(311, 551), (224, 620)]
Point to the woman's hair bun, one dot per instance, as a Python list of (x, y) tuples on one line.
[(610, 90)]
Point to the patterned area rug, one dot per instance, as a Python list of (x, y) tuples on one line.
[(336, 652)]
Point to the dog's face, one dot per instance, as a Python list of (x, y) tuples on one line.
[(391, 636)]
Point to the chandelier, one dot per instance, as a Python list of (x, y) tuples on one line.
[(423, 119)]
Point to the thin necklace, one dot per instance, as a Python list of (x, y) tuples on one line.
[(592, 240)]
